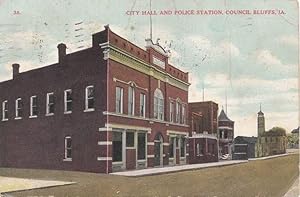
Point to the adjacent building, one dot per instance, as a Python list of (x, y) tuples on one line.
[(203, 140), (111, 107), (244, 147), (226, 134), (270, 142), (266, 143)]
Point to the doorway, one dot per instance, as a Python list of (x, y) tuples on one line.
[(158, 150)]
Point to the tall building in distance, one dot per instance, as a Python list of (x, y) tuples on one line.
[(270, 142), (260, 122)]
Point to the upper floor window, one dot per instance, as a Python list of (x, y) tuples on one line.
[(119, 100), (158, 105), (4, 110), (19, 108), (130, 100), (68, 101), (89, 98), (50, 104), (68, 148), (183, 114), (171, 111), (178, 108), (142, 105), (33, 106)]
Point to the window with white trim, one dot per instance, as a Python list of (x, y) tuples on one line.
[(33, 106), (117, 146), (178, 109), (5, 110), (182, 147), (158, 105), (119, 100), (89, 98), (130, 100), (142, 105), (171, 147), (68, 101), (141, 146), (171, 111), (68, 147), (183, 114), (50, 104), (19, 108)]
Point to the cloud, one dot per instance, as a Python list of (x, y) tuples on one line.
[(267, 58), (223, 48), (291, 40)]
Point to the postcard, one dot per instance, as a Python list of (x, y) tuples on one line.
[(149, 98)]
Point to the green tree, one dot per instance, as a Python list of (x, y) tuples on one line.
[(277, 131)]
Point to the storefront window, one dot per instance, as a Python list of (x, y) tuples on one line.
[(117, 146)]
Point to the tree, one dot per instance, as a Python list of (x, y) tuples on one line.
[(277, 131)]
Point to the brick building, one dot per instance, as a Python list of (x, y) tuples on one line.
[(113, 106), (203, 140)]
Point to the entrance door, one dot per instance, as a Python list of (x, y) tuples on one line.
[(157, 153), (158, 150)]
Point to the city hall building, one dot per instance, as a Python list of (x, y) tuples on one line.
[(111, 107)]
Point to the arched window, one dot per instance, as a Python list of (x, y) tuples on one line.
[(158, 105)]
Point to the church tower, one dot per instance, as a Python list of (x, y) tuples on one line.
[(260, 122)]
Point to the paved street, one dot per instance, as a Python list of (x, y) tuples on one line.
[(264, 178)]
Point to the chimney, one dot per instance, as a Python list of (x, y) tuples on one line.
[(15, 70), (61, 52)]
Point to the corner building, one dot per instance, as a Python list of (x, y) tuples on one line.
[(107, 108)]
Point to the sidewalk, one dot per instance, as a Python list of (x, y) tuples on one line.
[(269, 157), (294, 190), (164, 170), (10, 184)]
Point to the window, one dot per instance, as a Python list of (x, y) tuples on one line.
[(19, 108), (4, 110), (183, 115), (68, 147), (182, 147), (158, 105), (171, 147), (171, 111), (198, 149), (68, 101), (129, 139), (209, 149), (202, 149), (178, 106), (119, 100), (142, 105), (89, 98), (33, 106), (130, 101), (117, 146), (141, 146), (50, 104), (213, 149)]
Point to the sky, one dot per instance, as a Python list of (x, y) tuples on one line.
[(250, 58)]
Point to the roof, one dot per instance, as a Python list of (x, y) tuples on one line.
[(260, 113), (223, 117), (295, 130), (250, 140)]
